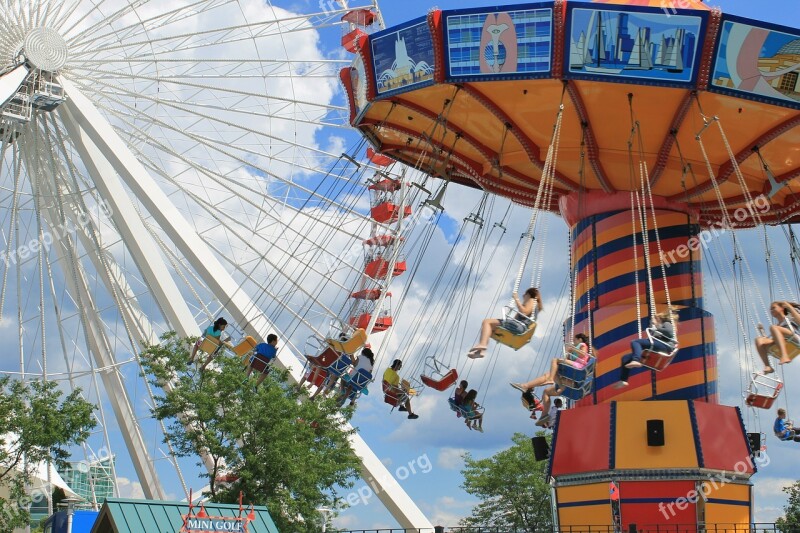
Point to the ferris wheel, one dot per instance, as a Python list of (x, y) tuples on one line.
[(158, 168)]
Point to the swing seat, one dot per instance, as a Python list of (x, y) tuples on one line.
[(792, 348), (455, 407), (246, 346), (574, 378), (443, 383), (514, 332), (209, 345), (394, 396), (340, 366), (357, 383), (259, 365), (436, 376), (317, 376), (656, 359), (323, 360), (351, 345), (579, 393), (532, 403), (762, 391)]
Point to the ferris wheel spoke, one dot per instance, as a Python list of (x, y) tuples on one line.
[(179, 14), (177, 67)]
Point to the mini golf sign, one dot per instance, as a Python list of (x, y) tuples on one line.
[(201, 522)]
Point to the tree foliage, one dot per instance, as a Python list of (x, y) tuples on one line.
[(38, 424), (512, 487), (291, 455), (790, 521)]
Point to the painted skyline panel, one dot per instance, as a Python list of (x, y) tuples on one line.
[(499, 44), (403, 58), (758, 62), (648, 47)]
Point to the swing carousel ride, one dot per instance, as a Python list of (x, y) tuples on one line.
[(650, 129), (142, 193)]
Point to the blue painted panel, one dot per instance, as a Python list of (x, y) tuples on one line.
[(757, 61), (501, 43), (632, 44), (402, 58)]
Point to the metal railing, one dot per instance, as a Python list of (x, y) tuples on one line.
[(656, 528)]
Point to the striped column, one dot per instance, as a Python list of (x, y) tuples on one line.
[(603, 244)]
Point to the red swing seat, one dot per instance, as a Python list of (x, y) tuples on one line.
[(435, 377), (765, 397), (656, 360), (392, 395)]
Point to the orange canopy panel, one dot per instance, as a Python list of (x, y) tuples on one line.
[(446, 96)]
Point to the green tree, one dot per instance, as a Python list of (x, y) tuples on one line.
[(790, 522), (38, 424), (280, 451), (512, 487)]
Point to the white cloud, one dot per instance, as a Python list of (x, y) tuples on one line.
[(450, 458), (129, 489)]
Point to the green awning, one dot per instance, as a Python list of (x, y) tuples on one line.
[(151, 516)]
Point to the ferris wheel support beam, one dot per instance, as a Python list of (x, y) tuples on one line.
[(102, 352), (90, 123)]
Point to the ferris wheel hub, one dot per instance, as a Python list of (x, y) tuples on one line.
[(45, 49)]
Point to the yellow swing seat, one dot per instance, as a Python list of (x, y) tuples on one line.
[(209, 345), (507, 332), (247, 345), (792, 348), (351, 345)]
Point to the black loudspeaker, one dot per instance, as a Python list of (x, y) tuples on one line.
[(655, 432), (632, 527), (541, 450), (755, 442)]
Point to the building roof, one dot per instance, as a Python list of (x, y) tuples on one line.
[(135, 516), (790, 48)]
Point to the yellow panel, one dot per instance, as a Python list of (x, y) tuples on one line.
[(584, 515), (632, 450), (583, 493), (726, 515), (727, 491)]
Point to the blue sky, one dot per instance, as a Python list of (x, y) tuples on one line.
[(440, 438)]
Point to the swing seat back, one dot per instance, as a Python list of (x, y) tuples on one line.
[(340, 366), (247, 345), (760, 401), (209, 345), (443, 383), (455, 407), (574, 378), (325, 359), (258, 364), (576, 394), (360, 380), (792, 348), (351, 345), (317, 376)]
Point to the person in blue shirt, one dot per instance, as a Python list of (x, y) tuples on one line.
[(213, 331), (783, 429), (261, 360)]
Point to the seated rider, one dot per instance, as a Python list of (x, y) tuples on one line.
[(265, 352), (364, 362), (391, 377), (214, 331), (785, 430), (550, 411), (461, 391), (578, 356), (531, 302), (789, 318), (664, 336), (473, 418)]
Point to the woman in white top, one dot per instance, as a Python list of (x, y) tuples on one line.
[(365, 361), (789, 318)]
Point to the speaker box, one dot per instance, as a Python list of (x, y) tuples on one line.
[(632, 528), (755, 442), (541, 450), (655, 432)]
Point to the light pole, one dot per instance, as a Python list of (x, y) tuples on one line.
[(324, 511), (70, 504)]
